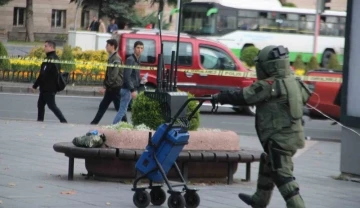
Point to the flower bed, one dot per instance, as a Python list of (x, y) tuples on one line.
[(125, 136)]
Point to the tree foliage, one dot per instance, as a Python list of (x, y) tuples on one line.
[(3, 2), (119, 9)]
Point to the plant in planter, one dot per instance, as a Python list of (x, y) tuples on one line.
[(248, 55), (145, 110), (4, 63), (60, 39), (67, 55)]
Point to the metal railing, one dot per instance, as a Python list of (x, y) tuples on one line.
[(29, 76)]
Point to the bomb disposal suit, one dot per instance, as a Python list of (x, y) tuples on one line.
[(279, 98)]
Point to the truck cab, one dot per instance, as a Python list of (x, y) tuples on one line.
[(196, 56)]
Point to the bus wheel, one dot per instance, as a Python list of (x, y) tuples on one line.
[(326, 57)]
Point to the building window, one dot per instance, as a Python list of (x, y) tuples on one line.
[(85, 17), (19, 16), (58, 18)]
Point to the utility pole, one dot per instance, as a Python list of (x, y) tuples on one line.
[(317, 26), (320, 8), (178, 19)]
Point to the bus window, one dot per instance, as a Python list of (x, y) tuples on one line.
[(290, 23), (307, 24), (342, 26), (329, 26), (215, 58), (247, 20), (226, 21), (196, 21)]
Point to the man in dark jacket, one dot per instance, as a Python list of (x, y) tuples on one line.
[(112, 82), (131, 81), (48, 83)]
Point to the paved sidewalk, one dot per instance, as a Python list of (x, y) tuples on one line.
[(32, 174)]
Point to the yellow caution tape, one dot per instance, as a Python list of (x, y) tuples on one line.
[(216, 72)]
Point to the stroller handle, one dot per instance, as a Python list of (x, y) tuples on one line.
[(201, 101)]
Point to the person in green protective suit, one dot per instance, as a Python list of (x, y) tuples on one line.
[(279, 97)]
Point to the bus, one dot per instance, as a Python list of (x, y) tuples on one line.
[(242, 23)]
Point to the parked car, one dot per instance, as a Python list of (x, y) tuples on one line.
[(324, 94), (195, 54)]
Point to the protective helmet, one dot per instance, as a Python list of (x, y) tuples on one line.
[(272, 61)]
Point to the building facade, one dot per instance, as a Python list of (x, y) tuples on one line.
[(54, 18), (335, 5)]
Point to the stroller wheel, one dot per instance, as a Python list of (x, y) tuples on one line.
[(192, 199), (176, 200), (158, 196), (141, 198)]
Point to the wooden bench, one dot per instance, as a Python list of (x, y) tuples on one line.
[(229, 157)]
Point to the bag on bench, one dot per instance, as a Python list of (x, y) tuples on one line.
[(90, 140)]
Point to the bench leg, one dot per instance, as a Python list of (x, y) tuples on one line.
[(248, 171), (185, 171), (230, 171), (71, 169)]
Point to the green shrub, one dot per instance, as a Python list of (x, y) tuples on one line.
[(145, 110), (38, 52), (298, 63), (334, 63), (288, 4), (67, 56), (313, 64), (248, 55), (4, 63)]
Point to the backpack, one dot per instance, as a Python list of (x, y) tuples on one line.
[(62, 80)]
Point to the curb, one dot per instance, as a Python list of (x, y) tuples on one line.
[(337, 140), (16, 89)]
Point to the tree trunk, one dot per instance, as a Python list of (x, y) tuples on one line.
[(100, 10), (29, 21)]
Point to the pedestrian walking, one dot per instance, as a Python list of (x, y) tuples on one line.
[(112, 82), (48, 83)]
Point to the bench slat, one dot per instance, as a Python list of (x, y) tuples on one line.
[(241, 156)]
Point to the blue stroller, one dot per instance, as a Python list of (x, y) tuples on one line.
[(160, 156)]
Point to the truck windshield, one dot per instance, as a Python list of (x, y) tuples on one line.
[(195, 20)]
